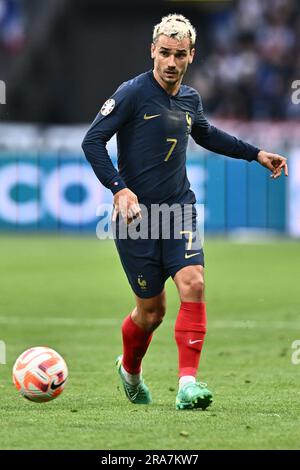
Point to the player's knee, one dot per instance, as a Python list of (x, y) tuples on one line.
[(192, 289), (153, 318), (153, 322)]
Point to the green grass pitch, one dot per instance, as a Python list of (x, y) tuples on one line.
[(71, 294)]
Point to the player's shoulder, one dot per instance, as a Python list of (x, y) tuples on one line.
[(134, 85), (188, 91), (192, 97)]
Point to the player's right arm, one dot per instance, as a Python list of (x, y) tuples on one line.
[(113, 115), (126, 203)]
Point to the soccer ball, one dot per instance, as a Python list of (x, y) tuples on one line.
[(40, 374)]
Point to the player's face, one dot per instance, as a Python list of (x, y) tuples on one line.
[(171, 58)]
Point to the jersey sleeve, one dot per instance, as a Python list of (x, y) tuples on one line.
[(113, 115), (218, 141)]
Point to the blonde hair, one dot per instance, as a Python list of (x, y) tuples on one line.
[(175, 26)]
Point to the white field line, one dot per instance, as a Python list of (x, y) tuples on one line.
[(94, 322)]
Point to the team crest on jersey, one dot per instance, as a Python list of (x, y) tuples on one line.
[(189, 123), (142, 282), (108, 107)]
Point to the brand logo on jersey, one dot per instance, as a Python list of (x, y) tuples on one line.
[(108, 107), (190, 256), (146, 117)]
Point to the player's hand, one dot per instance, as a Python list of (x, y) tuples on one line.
[(126, 204), (275, 163)]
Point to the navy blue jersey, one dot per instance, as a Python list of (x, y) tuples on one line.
[(152, 129)]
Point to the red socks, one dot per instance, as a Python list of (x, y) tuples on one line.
[(135, 345), (190, 329)]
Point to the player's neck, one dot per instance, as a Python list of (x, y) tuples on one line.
[(171, 89)]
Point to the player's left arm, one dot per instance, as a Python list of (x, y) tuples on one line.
[(218, 141)]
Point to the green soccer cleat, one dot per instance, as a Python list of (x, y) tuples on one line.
[(138, 394), (193, 395)]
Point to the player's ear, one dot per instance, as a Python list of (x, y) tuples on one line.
[(152, 51), (192, 54)]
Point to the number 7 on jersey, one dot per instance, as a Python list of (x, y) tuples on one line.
[(174, 142)]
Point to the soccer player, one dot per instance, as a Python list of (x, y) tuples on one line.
[(153, 115)]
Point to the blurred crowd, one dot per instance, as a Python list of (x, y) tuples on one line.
[(248, 55), (251, 59), (12, 31)]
